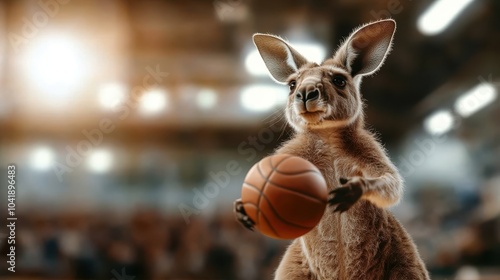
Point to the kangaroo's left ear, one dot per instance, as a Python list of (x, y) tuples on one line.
[(366, 49), (280, 58)]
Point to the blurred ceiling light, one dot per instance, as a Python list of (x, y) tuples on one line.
[(439, 122), (468, 273), (206, 99), (42, 158), (475, 99), (312, 51), (153, 101), (440, 15), (261, 98), (231, 11), (56, 65), (255, 65), (112, 94), (100, 161)]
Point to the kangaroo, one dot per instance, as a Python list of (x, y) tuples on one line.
[(357, 238)]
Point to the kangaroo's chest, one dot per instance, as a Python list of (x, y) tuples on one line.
[(333, 162), (340, 242)]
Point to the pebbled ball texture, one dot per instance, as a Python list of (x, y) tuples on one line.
[(285, 196)]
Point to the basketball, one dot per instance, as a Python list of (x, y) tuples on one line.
[(285, 196)]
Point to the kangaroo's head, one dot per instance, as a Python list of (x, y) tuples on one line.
[(327, 95)]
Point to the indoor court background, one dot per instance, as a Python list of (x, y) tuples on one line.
[(132, 125)]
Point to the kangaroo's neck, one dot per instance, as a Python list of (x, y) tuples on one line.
[(349, 132)]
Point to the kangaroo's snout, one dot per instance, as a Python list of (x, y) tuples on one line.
[(308, 92)]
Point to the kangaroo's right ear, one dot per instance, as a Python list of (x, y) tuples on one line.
[(366, 49), (280, 58)]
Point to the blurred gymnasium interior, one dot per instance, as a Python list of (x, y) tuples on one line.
[(132, 125)]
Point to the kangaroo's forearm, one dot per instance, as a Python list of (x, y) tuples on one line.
[(383, 191)]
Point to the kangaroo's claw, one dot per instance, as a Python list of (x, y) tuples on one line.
[(241, 215)]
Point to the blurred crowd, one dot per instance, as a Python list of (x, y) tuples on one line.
[(143, 245), (458, 229), (453, 230)]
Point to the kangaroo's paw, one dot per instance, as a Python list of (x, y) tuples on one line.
[(349, 193), (241, 215)]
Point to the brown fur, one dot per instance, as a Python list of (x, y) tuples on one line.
[(357, 237), (365, 242)]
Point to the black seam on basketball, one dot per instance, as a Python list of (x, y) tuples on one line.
[(285, 188), (298, 193), (261, 190), (255, 187), (270, 225), (277, 164), (267, 181), (274, 211), (275, 169), (260, 171), (252, 186)]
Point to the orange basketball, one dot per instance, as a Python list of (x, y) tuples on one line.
[(284, 195)]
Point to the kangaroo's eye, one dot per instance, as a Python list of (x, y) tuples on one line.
[(292, 85), (339, 81)]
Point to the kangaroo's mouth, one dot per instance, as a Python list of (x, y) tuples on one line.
[(301, 116), (312, 117)]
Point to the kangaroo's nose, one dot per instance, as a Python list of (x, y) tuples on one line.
[(310, 95)]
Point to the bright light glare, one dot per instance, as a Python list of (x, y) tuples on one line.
[(468, 273), (100, 161), (206, 99), (440, 14), (255, 65), (42, 158), (112, 94), (475, 99), (312, 51), (153, 101), (439, 123), (261, 98), (56, 65)]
